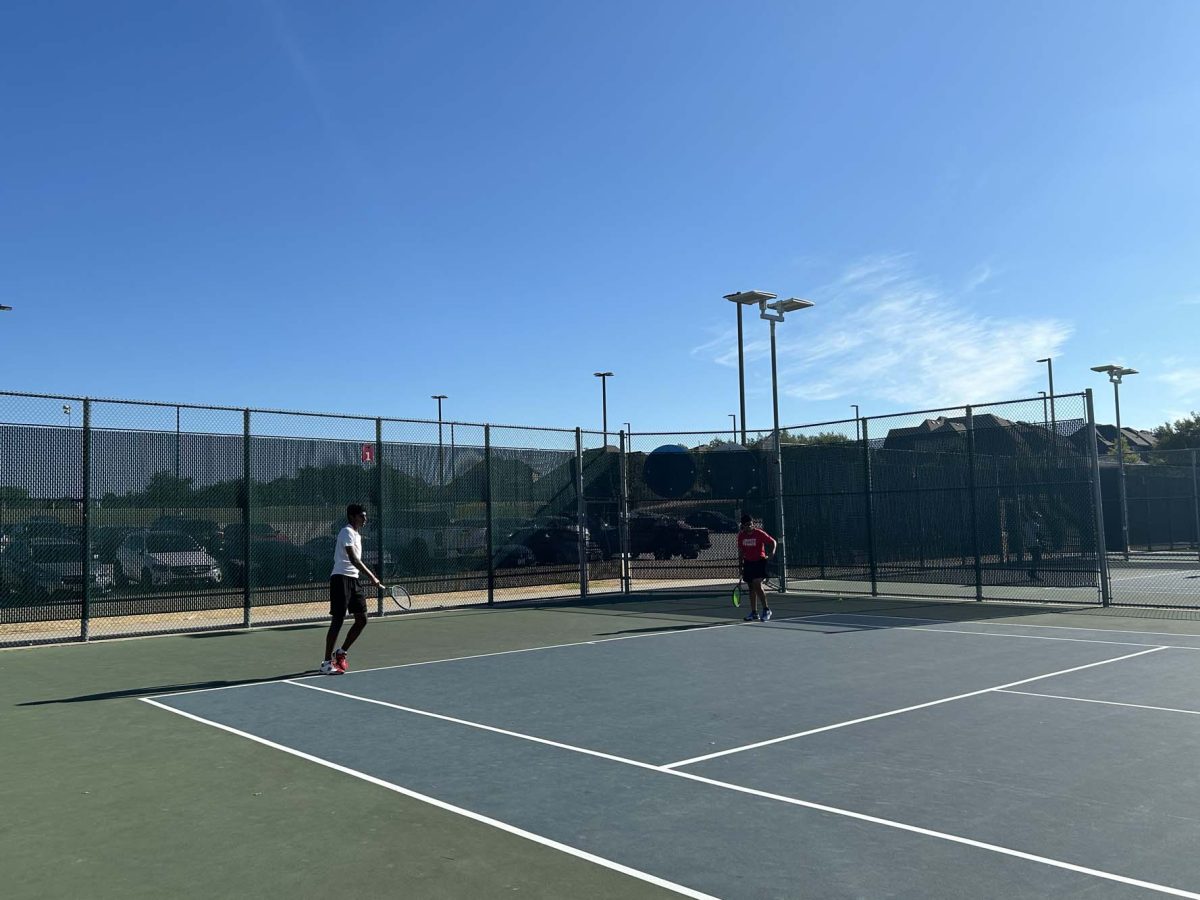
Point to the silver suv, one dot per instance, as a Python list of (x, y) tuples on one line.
[(165, 559)]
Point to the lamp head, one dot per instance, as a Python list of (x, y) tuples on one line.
[(1114, 372), (750, 298)]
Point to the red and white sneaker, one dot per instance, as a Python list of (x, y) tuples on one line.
[(340, 663)]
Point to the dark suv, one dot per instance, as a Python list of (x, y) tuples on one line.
[(665, 537)]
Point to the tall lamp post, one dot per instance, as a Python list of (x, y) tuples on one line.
[(441, 459), (745, 298), (1115, 373), (778, 309), (857, 426), (604, 376), (734, 417), (1045, 417), (1049, 361)]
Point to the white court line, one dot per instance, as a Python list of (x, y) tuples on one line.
[(686, 629), (479, 725), (1190, 712), (927, 629), (896, 712), (441, 804), (683, 629), (1177, 572), (688, 892), (985, 622)]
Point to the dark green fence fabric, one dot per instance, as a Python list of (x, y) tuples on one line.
[(120, 517)]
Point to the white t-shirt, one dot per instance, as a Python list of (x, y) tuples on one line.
[(347, 537)]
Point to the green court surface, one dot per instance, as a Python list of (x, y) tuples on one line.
[(106, 796)]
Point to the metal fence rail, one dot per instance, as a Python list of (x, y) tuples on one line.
[(120, 517)]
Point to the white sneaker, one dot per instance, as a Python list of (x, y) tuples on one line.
[(328, 669), (766, 615)]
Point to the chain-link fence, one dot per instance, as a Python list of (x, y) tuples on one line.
[(1152, 526), (121, 517)]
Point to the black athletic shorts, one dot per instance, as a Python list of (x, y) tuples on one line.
[(754, 568), (344, 595)]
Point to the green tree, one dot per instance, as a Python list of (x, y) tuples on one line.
[(1182, 434)]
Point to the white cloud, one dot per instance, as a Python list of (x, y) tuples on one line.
[(977, 278), (895, 336), (1183, 383)]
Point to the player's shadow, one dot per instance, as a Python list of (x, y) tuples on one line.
[(164, 689)]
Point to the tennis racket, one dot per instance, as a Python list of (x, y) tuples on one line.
[(398, 596), (736, 596)]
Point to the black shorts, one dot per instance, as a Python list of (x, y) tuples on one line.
[(344, 595), (754, 568)]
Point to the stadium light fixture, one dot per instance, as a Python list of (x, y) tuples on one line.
[(1049, 361), (604, 376), (1115, 373), (441, 456), (745, 298), (780, 308)]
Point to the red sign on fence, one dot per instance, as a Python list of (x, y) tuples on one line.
[(368, 453)]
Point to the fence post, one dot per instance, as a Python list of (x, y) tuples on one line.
[(974, 503), (379, 516), (1097, 503), (487, 511), (868, 511), (780, 523), (1195, 505), (623, 519), (85, 483), (246, 518), (581, 514)]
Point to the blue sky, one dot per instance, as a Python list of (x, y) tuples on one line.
[(351, 206)]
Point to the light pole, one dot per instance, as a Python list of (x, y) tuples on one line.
[(67, 413), (746, 298), (734, 417), (604, 376), (857, 426), (1115, 373), (1049, 361), (779, 308), (441, 464), (1045, 420)]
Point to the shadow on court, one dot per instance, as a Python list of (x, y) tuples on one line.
[(165, 689)]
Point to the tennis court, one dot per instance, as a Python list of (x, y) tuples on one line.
[(655, 746)]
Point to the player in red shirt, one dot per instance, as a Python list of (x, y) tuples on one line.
[(756, 548)]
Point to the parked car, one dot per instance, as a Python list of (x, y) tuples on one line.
[(419, 537), (554, 540), (107, 538), (207, 533), (513, 556), (320, 550), (665, 537), (165, 559), (234, 534), (274, 562), (721, 523), (46, 568), (44, 527)]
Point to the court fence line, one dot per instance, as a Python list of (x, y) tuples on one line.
[(122, 517)]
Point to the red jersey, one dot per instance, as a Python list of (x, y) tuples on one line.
[(753, 544)]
